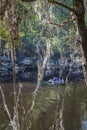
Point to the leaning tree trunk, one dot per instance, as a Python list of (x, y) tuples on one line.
[(12, 24), (83, 35), (82, 30)]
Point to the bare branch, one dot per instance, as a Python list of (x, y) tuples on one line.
[(57, 24), (62, 24), (69, 20), (63, 5), (28, 0)]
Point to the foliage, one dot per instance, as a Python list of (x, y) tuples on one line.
[(36, 17), (3, 31)]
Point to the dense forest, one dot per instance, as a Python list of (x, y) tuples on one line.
[(43, 45)]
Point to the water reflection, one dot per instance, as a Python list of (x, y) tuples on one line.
[(72, 110), (52, 108)]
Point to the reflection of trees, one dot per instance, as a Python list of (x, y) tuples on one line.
[(68, 110), (71, 111), (58, 122)]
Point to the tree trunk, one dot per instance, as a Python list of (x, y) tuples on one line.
[(84, 53), (0, 45), (82, 29)]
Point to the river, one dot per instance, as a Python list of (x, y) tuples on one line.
[(71, 100)]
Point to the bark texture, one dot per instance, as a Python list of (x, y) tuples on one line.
[(82, 29)]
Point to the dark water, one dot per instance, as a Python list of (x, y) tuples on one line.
[(48, 104)]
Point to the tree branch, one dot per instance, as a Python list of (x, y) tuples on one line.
[(3, 8), (63, 5), (28, 0), (62, 24), (7, 110)]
